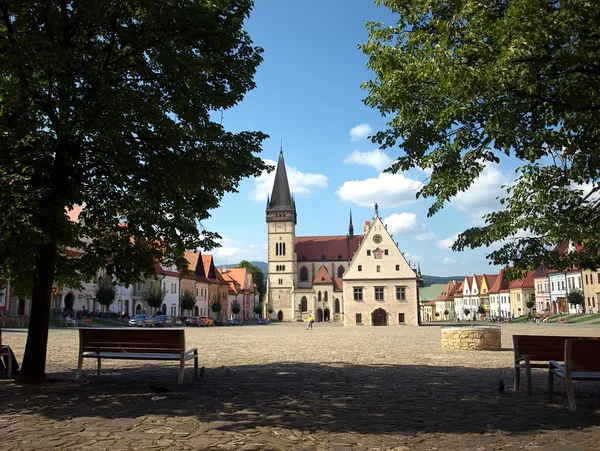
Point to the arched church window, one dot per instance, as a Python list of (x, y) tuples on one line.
[(319, 297), (325, 296), (304, 304), (304, 274), (337, 306), (340, 271)]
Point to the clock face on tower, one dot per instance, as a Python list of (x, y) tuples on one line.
[(377, 238)]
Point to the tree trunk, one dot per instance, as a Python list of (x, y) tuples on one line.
[(34, 360)]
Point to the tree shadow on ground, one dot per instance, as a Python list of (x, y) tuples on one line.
[(336, 397)]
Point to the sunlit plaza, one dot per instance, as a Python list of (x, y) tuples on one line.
[(281, 386)]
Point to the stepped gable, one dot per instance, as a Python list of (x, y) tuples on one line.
[(326, 248), (322, 276)]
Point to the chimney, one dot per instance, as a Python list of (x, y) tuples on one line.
[(367, 226)]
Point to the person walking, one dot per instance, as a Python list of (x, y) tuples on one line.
[(311, 320)]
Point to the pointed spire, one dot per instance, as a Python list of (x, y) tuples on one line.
[(281, 198), (351, 227)]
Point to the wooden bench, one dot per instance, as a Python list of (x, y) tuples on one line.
[(535, 351), (23, 320), (7, 321), (87, 322), (581, 363), (135, 344)]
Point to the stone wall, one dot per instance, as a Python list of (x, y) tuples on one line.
[(472, 338)]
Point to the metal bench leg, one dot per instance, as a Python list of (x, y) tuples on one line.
[(181, 370), (79, 365), (550, 385), (570, 393), (196, 364), (99, 366), (528, 371), (517, 376)]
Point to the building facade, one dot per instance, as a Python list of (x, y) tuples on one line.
[(322, 275)]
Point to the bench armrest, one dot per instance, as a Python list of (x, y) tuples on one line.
[(554, 364)]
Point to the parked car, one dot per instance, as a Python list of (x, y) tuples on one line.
[(235, 322), (262, 321), (141, 320), (194, 321), (207, 320), (220, 321), (163, 321)]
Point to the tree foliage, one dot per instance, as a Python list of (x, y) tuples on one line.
[(467, 84), (105, 292), (575, 297), (187, 300), (109, 106), (257, 275), (216, 306), (236, 308), (467, 312), (258, 309), (155, 296)]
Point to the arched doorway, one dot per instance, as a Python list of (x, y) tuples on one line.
[(379, 317), (279, 315), (326, 315), (196, 311), (69, 301), (163, 309), (138, 309), (319, 315)]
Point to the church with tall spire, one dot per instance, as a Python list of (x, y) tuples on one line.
[(354, 279)]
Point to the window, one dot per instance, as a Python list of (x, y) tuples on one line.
[(359, 318), (397, 267), (280, 281), (279, 248), (368, 252), (379, 294), (360, 267), (358, 293), (340, 271), (401, 318), (378, 268), (385, 252), (319, 297), (325, 296), (401, 293), (304, 274), (304, 304), (337, 306)]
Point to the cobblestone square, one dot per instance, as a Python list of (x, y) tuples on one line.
[(280, 387)]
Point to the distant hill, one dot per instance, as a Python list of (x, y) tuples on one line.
[(430, 280)]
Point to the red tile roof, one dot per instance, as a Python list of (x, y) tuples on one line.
[(322, 276), (337, 284), (500, 284), (526, 282), (326, 248), (448, 292)]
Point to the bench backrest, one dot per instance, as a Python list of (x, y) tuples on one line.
[(582, 354), (156, 341), (541, 347)]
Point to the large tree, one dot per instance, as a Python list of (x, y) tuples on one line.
[(110, 106), (258, 276), (469, 83)]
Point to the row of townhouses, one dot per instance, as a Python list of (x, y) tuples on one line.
[(493, 295), (204, 279)]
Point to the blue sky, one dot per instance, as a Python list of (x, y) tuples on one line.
[(308, 97)]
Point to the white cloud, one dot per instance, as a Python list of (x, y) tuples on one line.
[(233, 252), (425, 236), (450, 261), (480, 198), (301, 183), (361, 131), (376, 158), (412, 258), (404, 224), (447, 242), (388, 190)]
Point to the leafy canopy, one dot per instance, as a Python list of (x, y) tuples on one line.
[(466, 84), (258, 277), (216, 306), (109, 108), (187, 299), (236, 308), (105, 292), (155, 296)]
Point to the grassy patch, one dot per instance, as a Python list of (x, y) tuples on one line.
[(583, 318)]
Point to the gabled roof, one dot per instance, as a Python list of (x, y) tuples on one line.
[(527, 282), (326, 248), (322, 276), (196, 265), (489, 280), (459, 289), (500, 284), (337, 284), (448, 291), (476, 283), (210, 271)]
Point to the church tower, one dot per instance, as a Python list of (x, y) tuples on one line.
[(281, 223)]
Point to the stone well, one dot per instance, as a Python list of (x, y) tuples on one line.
[(474, 337)]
